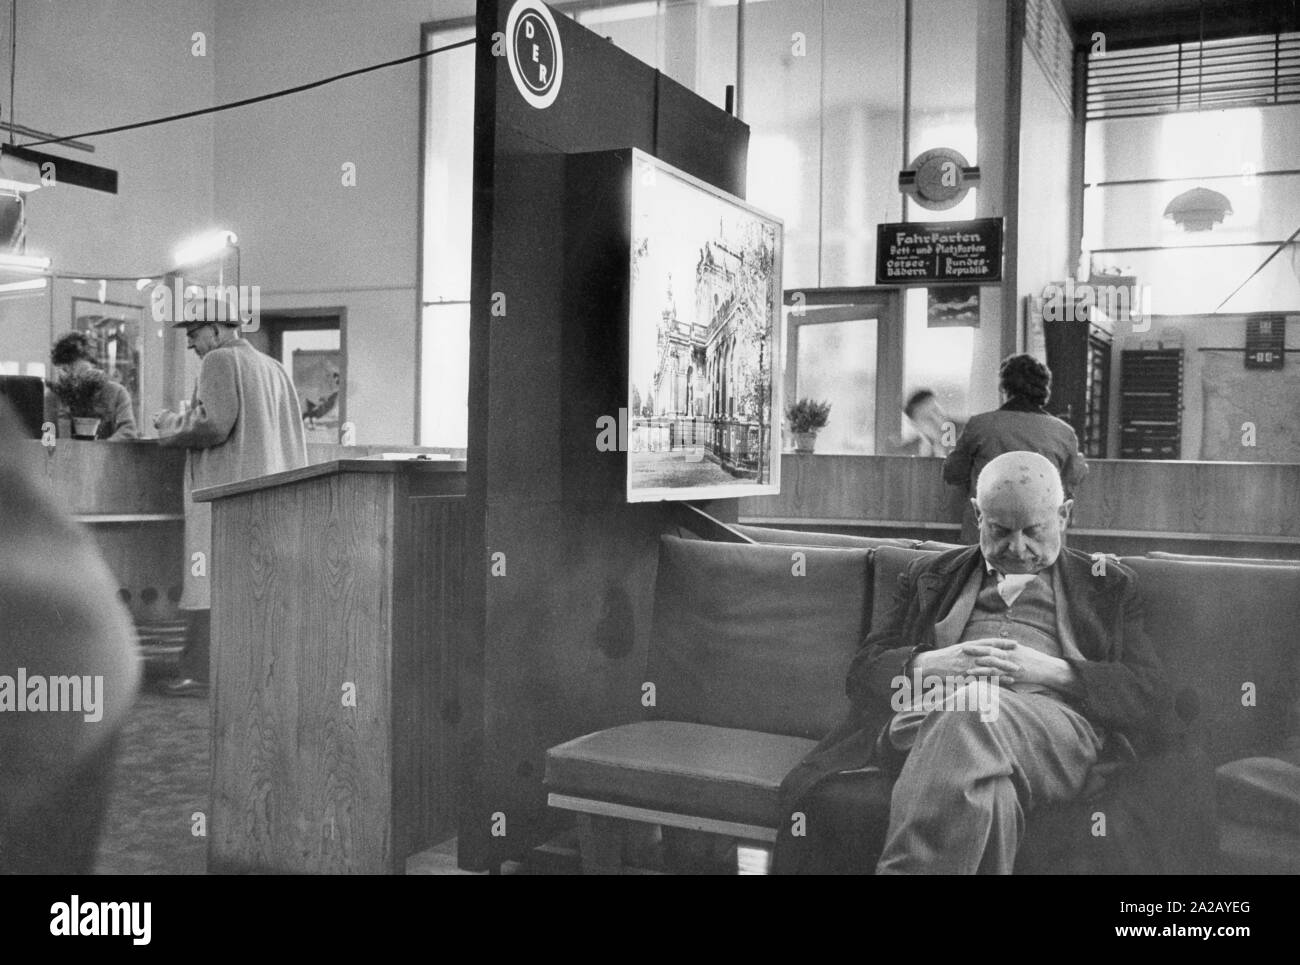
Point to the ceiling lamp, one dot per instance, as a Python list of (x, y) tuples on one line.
[(204, 248), (1199, 209), (28, 284), (25, 262), (18, 174)]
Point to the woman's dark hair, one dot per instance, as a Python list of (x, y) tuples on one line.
[(71, 347), (1024, 377), (916, 400)]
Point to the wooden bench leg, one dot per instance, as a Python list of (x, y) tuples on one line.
[(600, 840)]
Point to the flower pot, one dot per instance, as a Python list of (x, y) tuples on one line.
[(805, 441), (84, 427)]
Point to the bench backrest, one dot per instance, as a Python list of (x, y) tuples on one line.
[(756, 637), (1231, 633), (741, 642), (792, 537)]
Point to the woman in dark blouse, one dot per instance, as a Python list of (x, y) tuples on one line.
[(1020, 424)]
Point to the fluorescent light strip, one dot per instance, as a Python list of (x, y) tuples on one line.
[(25, 262), (31, 284)]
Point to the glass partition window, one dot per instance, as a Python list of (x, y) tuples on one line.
[(1138, 166), (821, 85), (938, 359), (26, 321), (943, 85), (822, 91), (692, 41), (835, 362)]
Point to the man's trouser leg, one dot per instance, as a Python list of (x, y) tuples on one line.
[(959, 804), (195, 657)]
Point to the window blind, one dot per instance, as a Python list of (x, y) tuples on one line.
[(1197, 75)]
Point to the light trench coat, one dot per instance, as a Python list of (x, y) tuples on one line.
[(244, 421)]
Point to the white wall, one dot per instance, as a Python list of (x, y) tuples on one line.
[(1238, 153), (305, 238), (102, 64), (1193, 333)]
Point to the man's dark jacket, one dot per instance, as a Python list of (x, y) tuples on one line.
[(1123, 691)]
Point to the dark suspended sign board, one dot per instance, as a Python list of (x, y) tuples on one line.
[(939, 252)]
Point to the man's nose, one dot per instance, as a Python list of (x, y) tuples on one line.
[(1016, 543)]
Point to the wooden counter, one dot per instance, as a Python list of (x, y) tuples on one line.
[(336, 606), (117, 479), (1207, 504), (130, 495)]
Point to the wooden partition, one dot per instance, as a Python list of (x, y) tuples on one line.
[(337, 596), (100, 480), (1241, 509)]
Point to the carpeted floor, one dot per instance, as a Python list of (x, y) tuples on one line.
[(160, 780)]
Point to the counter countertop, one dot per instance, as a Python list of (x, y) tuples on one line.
[(332, 468)]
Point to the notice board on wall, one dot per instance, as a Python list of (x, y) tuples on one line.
[(1249, 414)]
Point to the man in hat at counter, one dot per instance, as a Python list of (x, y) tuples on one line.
[(243, 421)]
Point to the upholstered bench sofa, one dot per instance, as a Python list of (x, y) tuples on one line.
[(751, 644)]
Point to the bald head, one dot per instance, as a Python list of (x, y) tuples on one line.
[(1022, 512), (1025, 477)]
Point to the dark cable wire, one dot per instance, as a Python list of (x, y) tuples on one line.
[(252, 100), (1262, 265), (13, 61)]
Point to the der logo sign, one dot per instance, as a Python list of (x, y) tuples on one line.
[(534, 53)]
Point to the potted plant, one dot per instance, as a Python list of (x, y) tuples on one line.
[(79, 392), (805, 417)]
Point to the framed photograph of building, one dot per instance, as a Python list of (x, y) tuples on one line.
[(704, 340)]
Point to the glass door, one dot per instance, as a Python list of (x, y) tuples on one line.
[(844, 348)]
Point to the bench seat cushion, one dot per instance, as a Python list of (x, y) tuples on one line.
[(696, 769)]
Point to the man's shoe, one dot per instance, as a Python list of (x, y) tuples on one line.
[(186, 687)]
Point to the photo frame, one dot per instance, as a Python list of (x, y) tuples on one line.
[(318, 377), (705, 336)]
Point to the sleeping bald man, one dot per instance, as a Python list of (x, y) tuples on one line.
[(1004, 672)]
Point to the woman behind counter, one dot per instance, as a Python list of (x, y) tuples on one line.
[(1020, 424), (74, 358)]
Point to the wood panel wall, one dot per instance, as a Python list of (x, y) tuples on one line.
[(1210, 502)]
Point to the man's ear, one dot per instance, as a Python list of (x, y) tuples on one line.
[(1066, 510), (976, 504)]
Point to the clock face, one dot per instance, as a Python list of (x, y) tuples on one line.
[(941, 180), (938, 179)]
